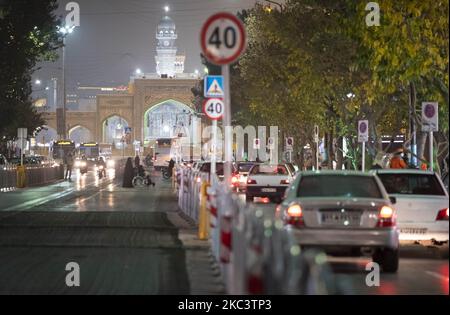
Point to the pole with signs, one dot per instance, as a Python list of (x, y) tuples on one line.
[(223, 40), (289, 143), (363, 136), (430, 124), (316, 140), (213, 109)]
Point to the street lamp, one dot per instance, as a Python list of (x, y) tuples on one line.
[(278, 4), (64, 30), (166, 9), (37, 82), (138, 71)]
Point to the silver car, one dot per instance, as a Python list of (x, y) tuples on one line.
[(343, 211)]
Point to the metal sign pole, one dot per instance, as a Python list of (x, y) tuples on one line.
[(227, 123), (431, 150), (363, 156), (214, 148), (317, 155)]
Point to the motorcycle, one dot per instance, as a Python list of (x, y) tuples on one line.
[(83, 167), (101, 171)]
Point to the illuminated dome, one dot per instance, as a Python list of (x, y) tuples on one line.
[(166, 24)]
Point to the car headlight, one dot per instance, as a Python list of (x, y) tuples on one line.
[(77, 163), (83, 164), (111, 163)]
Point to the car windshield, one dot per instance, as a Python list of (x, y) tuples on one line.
[(412, 184), (338, 186), (269, 170), (245, 167)]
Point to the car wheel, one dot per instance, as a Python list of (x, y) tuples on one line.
[(387, 258), (248, 198)]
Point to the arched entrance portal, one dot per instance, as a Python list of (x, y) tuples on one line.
[(166, 120), (115, 130), (80, 134)]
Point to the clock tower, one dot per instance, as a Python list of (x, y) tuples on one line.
[(168, 64)]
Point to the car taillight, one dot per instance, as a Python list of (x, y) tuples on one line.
[(442, 215), (386, 217), (295, 215), (235, 179), (284, 182), (251, 181)]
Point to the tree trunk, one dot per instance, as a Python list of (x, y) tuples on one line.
[(339, 153), (421, 141)]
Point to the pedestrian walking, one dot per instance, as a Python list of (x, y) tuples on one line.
[(137, 161), (128, 174), (69, 165)]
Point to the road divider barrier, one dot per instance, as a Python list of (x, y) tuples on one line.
[(257, 255), (29, 175)]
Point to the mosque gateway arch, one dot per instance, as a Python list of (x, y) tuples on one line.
[(156, 105)]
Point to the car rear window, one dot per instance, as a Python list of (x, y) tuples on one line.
[(338, 186), (245, 167), (412, 184), (269, 170)]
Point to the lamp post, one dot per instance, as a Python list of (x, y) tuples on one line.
[(64, 30)]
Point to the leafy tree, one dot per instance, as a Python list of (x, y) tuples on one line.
[(28, 33)]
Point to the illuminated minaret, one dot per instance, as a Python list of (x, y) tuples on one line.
[(168, 64)]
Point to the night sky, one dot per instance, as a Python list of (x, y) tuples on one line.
[(117, 36)]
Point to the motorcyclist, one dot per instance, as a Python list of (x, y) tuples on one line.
[(101, 162), (84, 166)]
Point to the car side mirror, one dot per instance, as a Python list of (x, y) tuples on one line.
[(393, 200)]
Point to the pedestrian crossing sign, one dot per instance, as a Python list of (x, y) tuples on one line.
[(213, 86)]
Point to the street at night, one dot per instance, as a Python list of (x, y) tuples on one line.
[(206, 150)]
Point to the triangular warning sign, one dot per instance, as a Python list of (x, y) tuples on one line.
[(215, 88)]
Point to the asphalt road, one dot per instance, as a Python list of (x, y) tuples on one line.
[(126, 242), (422, 270), (121, 238)]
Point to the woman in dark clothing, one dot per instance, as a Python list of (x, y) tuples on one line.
[(128, 174)]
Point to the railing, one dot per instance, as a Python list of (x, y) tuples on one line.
[(34, 175), (256, 254)]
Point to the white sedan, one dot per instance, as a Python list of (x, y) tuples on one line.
[(342, 212), (268, 180), (422, 204)]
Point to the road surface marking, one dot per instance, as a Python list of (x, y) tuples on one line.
[(436, 275)]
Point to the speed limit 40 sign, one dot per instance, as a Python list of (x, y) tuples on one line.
[(213, 108), (223, 38)]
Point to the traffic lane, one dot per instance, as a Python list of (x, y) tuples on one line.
[(414, 276), (27, 198), (422, 269), (135, 251), (121, 237), (41, 270), (110, 196), (264, 204)]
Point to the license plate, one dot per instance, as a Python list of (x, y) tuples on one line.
[(350, 218), (268, 190), (413, 230)]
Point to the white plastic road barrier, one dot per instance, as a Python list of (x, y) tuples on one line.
[(225, 238), (256, 254)]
